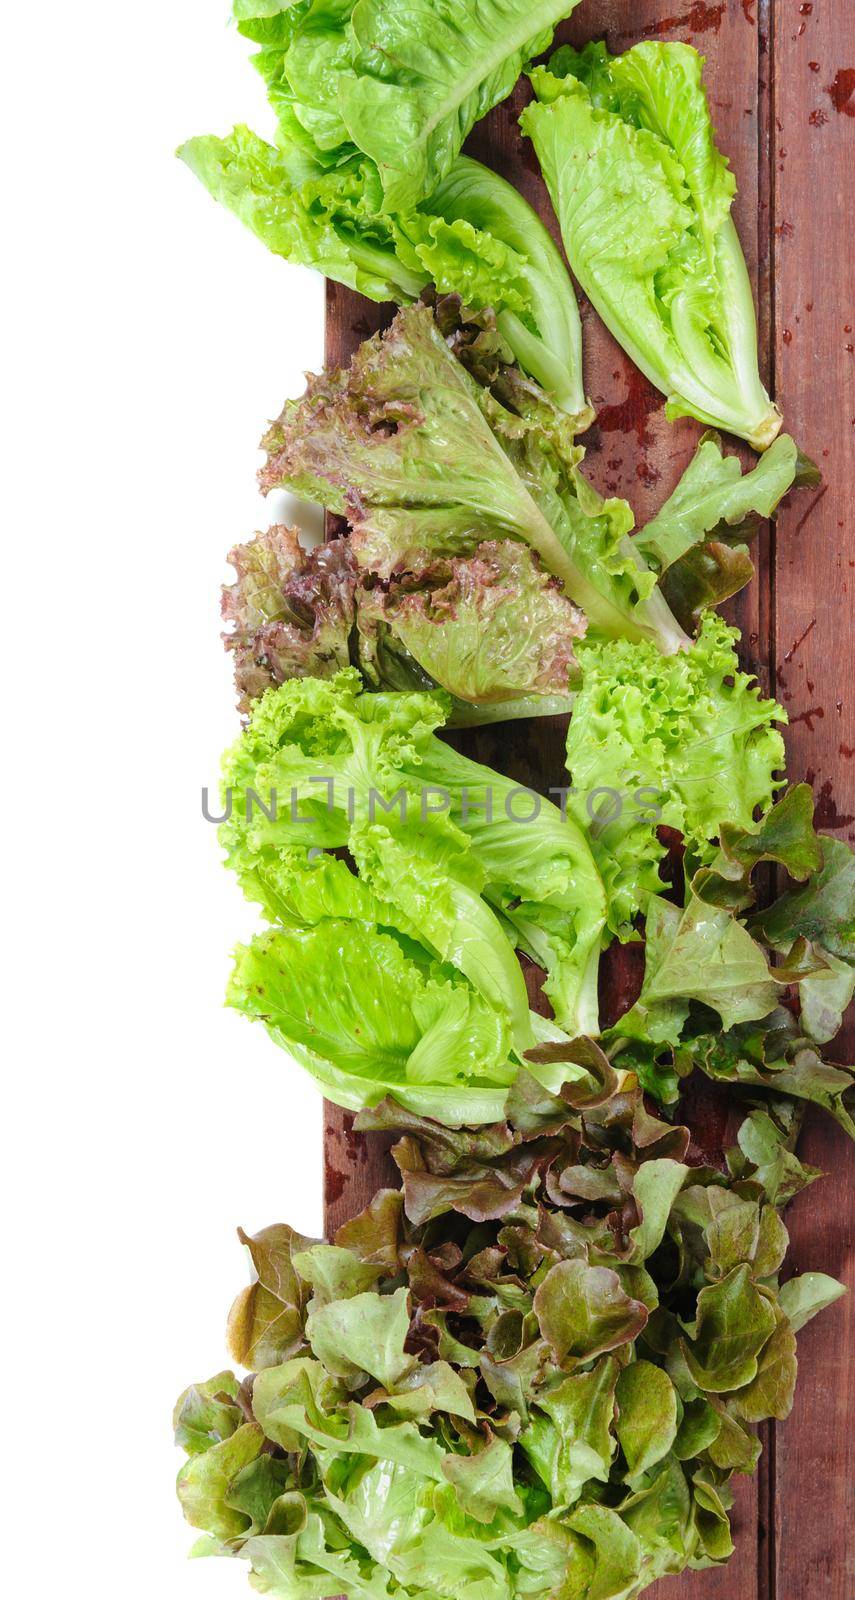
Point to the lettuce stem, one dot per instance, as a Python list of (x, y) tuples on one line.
[(562, 382)]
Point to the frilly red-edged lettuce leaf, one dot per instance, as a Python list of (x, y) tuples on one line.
[(431, 442), (292, 612), (491, 628)]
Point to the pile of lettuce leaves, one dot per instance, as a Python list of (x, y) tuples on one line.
[(385, 859), (482, 578), (478, 552), (533, 1372), (365, 181)]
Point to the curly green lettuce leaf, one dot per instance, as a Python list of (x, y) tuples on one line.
[(424, 75), (685, 741), (698, 540), (539, 874), (643, 197), (438, 886), (429, 455), (328, 762)]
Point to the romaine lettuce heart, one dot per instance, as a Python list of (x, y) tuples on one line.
[(643, 197)]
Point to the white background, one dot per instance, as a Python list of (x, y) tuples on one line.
[(147, 340)]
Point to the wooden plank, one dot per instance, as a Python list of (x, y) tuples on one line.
[(355, 1165), (813, 194), (755, 50)]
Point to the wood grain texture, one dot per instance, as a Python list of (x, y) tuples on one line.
[(812, 60), (782, 104)]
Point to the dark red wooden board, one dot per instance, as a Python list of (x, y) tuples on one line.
[(781, 77)]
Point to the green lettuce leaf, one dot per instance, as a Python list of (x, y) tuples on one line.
[(570, 1439), (484, 1482), (424, 76), (306, 1565), (776, 1056), (292, 212), (766, 1152), (205, 1480), (823, 911), (543, 328), (388, 1025), (647, 1415), (506, 869), (438, 888), (207, 1413), (583, 1311), (698, 540), (305, 48), (784, 836), (793, 927), (703, 954), (685, 741), (363, 1334), (317, 200), (643, 197), (804, 1297), (734, 1323)]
